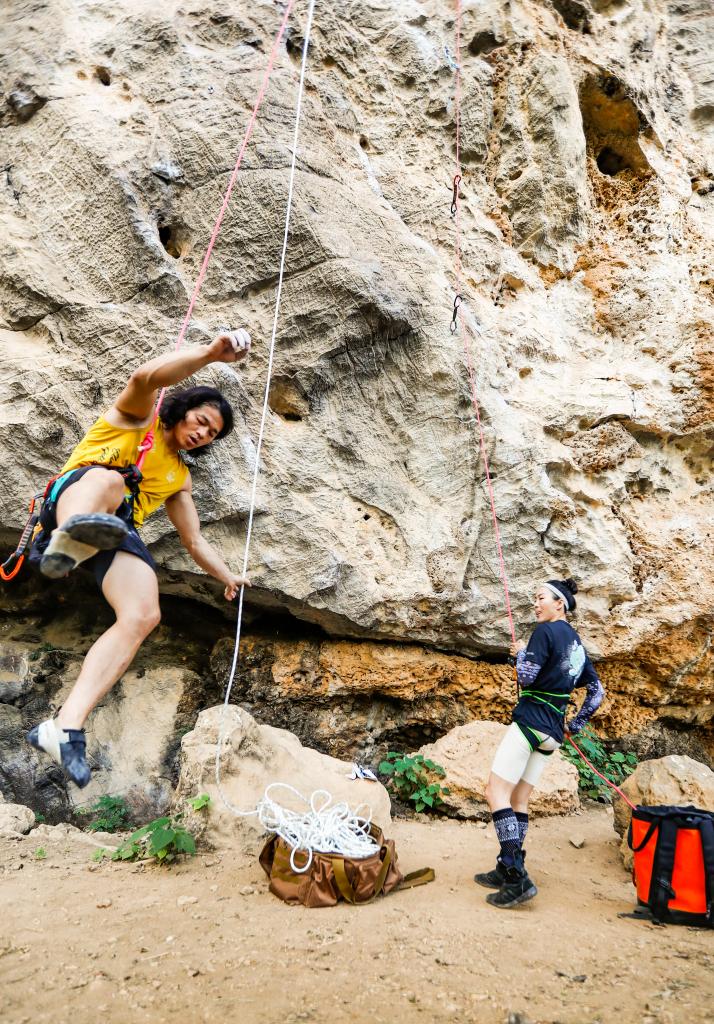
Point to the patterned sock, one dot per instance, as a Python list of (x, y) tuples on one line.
[(506, 825), (522, 820)]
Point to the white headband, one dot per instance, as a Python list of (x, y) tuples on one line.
[(561, 596)]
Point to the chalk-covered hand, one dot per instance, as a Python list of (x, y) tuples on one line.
[(229, 346), (519, 645)]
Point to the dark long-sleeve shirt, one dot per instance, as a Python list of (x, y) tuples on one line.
[(554, 663)]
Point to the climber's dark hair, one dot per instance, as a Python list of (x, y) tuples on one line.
[(567, 589), (177, 404)]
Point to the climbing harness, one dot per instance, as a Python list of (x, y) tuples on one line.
[(457, 321)]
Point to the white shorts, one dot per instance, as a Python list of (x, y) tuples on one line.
[(515, 760)]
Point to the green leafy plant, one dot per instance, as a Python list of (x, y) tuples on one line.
[(39, 651), (614, 766), (412, 778), (111, 815), (163, 839), (40, 853)]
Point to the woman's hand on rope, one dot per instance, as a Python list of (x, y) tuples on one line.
[(518, 645), (234, 585), (230, 346)]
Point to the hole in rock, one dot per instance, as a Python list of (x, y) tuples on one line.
[(613, 124), (575, 14), (287, 400), (366, 516), (484, 42), (610, 162), (81, 74), (174, 238), (102, 75), (364, 142)]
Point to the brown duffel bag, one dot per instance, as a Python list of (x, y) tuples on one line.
[(331, 877)]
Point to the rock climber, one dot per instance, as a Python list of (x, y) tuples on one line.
[(552, 664), (93, 510)]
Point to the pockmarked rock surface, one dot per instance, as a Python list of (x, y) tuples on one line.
[(673, 781), (252, 758), (587, 217), (466, 753)]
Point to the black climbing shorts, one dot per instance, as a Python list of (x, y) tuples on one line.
[(99, 564)]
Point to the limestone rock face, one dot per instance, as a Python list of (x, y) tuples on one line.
[(676, 780), (466, 753), (16, 818), (587, 221), (253, 757)]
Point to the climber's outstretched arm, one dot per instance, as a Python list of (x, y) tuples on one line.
[(134, 405), (182, 513)]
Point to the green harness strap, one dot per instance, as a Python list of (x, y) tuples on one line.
[(542, 700)]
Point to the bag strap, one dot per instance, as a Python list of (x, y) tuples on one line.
[(706, 833), (650, 832), (420, 877), (345, 886), (661, 891)]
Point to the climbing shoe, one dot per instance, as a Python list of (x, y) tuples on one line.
[(80, 537), (517, 888), (66, 747), (496, 878)]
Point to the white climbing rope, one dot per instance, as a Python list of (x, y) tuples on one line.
[(324, 827)]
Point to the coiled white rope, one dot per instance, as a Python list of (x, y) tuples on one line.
[(325, 827)]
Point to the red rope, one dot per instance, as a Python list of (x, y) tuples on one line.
[(148, 441), (594, 769), (458, 319)]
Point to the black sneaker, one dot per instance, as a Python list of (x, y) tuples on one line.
[(518, 888), (493, 879), (496, 878), (66, 747)]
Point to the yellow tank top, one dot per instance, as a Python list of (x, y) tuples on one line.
[(106, 445)]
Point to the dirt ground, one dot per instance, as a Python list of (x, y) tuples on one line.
[(205, 940)]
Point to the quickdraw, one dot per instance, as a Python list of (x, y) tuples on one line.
[(12, 565), (453, 326), (455, 197)]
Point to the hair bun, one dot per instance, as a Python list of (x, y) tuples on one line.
[(571, 585)]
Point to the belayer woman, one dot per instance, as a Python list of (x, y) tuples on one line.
[(552, 664), (93, 509)]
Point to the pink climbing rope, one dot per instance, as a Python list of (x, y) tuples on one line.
[(459, 321), (594, 769), (148, 441)]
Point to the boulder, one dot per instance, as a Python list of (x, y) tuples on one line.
[(252, 757), (16, 819), (675, 780), (467, 753)]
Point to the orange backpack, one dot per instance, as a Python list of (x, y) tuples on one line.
[(673, 867)]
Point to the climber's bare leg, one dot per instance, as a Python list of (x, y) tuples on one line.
[(131, 588)]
